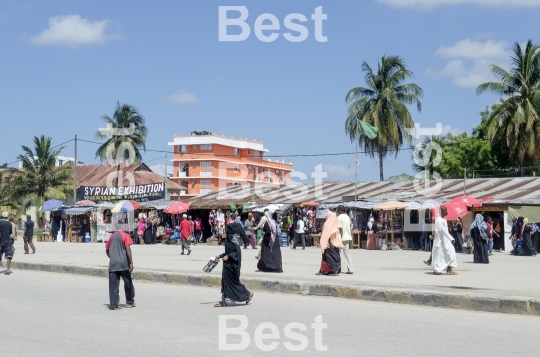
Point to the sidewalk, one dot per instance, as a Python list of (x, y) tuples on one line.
[(508, 284)]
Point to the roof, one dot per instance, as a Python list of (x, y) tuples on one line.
[(103, 175), (218, 140), (515, 191)]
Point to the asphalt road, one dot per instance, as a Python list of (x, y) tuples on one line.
[(47, 314)]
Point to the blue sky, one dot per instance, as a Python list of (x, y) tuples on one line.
[(63, 64)]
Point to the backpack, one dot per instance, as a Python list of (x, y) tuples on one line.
[(483, 233)]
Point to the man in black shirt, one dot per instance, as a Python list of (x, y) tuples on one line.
[(29, 235), (6, 247)]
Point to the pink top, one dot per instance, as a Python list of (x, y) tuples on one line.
[(141, 227)]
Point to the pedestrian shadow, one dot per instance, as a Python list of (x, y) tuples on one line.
[(233, 304)]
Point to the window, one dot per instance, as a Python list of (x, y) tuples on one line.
[(256, 153), (205, 191), (235, 168), (182, 148), (184, 170), (194, 147), (206, 173), (60, 162), (206, 147), (236, 151), (256, 174), (206, 182), (206, 163)]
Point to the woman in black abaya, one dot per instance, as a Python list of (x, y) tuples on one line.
[(517, 231), (330, 245), (270, 255), (457, 235), (480, 244), (527, 248), (231, 288)]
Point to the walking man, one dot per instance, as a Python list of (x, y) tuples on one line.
[(29, 235), (300, 234), (444, 254), (185, 232), (13, 236), (6, 247), (118, 249), (344, 226)]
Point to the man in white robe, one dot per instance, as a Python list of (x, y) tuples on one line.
[(444, 254)]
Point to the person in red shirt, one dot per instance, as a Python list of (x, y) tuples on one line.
[(198, 229), (118, 249), (185, 232)]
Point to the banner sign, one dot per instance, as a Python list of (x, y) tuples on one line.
[(149, 192)]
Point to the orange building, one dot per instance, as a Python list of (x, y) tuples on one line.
[(205, 162)]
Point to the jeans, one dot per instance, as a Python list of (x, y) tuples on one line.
[(194, 236), (300, 237), (114, 288), (490, 246), (347, 255), (422, 241)]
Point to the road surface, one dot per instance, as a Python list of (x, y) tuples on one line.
[(48, 314)]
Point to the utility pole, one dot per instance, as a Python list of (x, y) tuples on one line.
[(464, 181), (75, 173), (165, 172)]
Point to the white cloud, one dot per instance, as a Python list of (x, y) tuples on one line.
[(469, 61), (429, 4), (339, 170), (183, 97), (73, 31)]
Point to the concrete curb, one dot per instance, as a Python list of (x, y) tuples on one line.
[(507, 305)]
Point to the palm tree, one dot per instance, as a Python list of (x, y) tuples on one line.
[(383, 104), (517, 121), (40, 179), (126, 137)]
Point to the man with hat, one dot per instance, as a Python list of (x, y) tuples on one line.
[(6, 246), (185, 233)]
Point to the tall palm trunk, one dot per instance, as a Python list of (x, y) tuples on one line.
[(381, 171)]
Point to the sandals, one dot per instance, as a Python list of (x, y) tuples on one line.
[(221, 304), (451, 272), (435, 273), (8, 272), (250, 297)]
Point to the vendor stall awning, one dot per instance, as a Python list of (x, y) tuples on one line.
[(530, 212), (75, 211), (157, 204), (391, 205)]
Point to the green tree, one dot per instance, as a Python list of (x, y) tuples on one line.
[(8, 201), (126, 138), (40, 179), (517, 119), (458, 152), (383, 104)]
